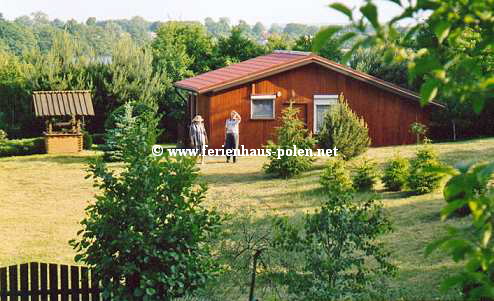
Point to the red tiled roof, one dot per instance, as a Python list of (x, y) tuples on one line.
[(276, 62), (208, 80)]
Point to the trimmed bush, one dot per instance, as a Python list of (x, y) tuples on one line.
[(396, 173), (292, 132), (21, 147), (336, 177), (365, 175), (87, 140), (346, 131), (422, 179)]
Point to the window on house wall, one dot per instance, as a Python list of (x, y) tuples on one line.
[(262, 106), (322, 104)]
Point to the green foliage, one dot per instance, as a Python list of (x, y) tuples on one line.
[(145, 234), (292, 132), (396, 173), (21, 147), (3, 136), (335, 178), (236, 47), (329, 50), (346, 131), (124, 121), (473, 243), (419, 130), (371, 61), (365, 175), (423, 176), (87, 140), (338, 250), (131, 75)]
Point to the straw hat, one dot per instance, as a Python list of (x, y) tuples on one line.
[(198, 118)]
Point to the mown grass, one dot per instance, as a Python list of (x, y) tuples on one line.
[(43, 198)]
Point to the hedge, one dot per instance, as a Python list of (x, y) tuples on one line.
[(20, 147)]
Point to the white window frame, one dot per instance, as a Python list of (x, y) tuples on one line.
[(267, 96), (331, 100)]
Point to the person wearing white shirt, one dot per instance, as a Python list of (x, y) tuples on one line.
[(232, 134)]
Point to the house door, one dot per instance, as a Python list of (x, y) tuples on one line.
[(322, 104)]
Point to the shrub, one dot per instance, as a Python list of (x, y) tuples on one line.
[(365, 175), (336, 245), (335, 178), (422, 179), (145, 235), (343, 129), (87, 140), (292, 132), (3, 136), (396, 173), (20, 147)]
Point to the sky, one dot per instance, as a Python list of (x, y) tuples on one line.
[(252, 11)]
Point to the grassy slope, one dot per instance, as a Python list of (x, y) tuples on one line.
[(43, 198)]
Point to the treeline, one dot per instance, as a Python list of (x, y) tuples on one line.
[(124, 60)]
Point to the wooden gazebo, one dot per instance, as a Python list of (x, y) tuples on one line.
[(63, 112)]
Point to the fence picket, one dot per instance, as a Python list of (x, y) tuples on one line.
[(64, 282), (24, 291), (13, 283), (3, 284), (33, 269), (43, 272), (53, 284), (84, 284), (74, 282)]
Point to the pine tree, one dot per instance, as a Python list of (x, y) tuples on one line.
[(346, 131), (292, 132), (114, 137)]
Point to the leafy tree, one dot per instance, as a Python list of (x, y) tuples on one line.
[(258, 29), (337, 246), (371, 61), (145, 234), (275, 28), (236, 48), (330, 50), (346, 131), (16, 37), (292, 132), (459, 75), (277, 42), (218, 29)]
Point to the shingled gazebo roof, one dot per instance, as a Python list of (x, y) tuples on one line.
[(63, 103)]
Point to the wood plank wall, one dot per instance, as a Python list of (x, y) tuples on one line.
[(388, 115)]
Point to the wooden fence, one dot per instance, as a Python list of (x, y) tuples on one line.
[(42, 282)]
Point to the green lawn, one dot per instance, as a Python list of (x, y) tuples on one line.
[(43, 198)]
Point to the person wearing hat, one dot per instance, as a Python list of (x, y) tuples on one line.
[(232, 134), (198, 136)]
